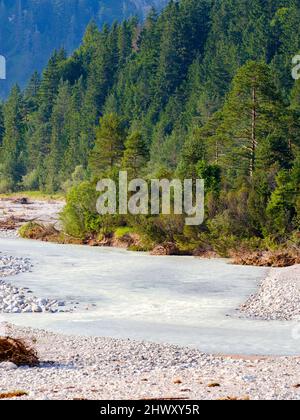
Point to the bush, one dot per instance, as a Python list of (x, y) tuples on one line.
[(31, 181), (123, 231), (6, 186), (77, 177), (80, 217)]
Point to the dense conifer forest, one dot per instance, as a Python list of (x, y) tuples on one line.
[(203, 89)]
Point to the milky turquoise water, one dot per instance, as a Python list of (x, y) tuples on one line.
[(178, 300)]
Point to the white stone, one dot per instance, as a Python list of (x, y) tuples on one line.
[(8, 366)]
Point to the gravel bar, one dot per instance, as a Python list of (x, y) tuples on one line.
[(278, 297), (21, 300), (104, 368)]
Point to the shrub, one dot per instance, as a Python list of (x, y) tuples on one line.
[(6, 186), (123, 231), (80, 217), (31, 181)]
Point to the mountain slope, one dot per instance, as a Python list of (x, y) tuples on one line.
[(31, 29)]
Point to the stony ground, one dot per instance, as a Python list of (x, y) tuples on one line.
[(278, 297), (44, 212), (22, 300), (103, 368)]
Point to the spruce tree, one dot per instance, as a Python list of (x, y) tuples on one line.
[(135, 154), (109, 146), (13, 151)]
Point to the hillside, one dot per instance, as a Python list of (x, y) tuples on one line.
[(202, 90), (31, 29)]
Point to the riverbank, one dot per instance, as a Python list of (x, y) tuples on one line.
[(38, 218), (104, 368), (278, 297), (17, 211), (17, 300)]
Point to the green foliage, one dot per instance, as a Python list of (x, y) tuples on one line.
[(79, 216), (197, 91), (30, 181), (109, 145), (120, 232), (135, 154), (28, 229), (77, 177)]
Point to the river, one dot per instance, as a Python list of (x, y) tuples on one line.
[(178, 300)]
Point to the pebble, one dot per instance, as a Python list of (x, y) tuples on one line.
[(278, 297), (8, 366), (110, 369), (21, 300)]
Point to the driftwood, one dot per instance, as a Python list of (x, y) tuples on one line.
[(22, 200), (12, 223), (18, 352)]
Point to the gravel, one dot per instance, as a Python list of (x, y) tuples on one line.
[(22, 300), (45, 212), (105, 368), (278, 297), (9, 234)]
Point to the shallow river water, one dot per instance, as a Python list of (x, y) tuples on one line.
[(178, 300)]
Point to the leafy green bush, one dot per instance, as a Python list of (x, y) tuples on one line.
[(122, 231), (80, 217), (6, 186), (31, 181)]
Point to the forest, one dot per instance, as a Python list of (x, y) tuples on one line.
[(203, 89)]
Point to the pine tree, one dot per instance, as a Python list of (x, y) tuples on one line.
[(59, 138), (50, 82), (13, 149), (31, 93), (1, 124), (251, 113), (135, 154), (109, 146)]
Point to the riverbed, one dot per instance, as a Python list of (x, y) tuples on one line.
[(177, 300)]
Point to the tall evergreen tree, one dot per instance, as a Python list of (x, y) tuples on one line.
[(109, 146), (135, 154), (13, 150), (251, 114)]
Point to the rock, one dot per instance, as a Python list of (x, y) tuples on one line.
[(167, 248), (8, 366), (42, 302), (249, 378), (36, 308), (16, 311)]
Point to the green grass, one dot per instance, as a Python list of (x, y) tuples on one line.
[(37, 195), (122, 231)]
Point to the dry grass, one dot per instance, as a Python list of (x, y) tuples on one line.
[(17, 352), (49, 233), (11, 223), (267, 258)]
